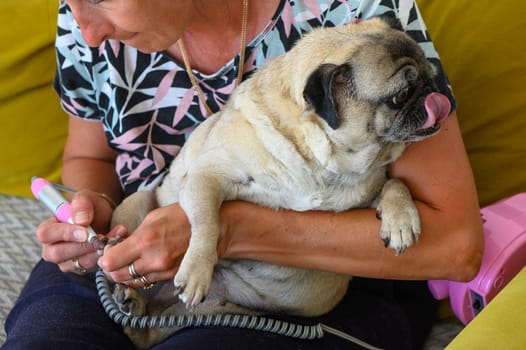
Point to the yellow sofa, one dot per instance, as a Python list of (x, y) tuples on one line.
[(482, 48), (33, 125), (480, 42)]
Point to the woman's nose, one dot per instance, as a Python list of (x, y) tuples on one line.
[(93, 26)]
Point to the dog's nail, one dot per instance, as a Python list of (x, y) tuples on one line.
[(400, 250), (184, 299), (178, 288), (100, 243), (379, 215), (188, 304), (386, 241), (125, 308)]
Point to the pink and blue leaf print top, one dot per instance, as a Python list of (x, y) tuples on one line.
[(146, 102)]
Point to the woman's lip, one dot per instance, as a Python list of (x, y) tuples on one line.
[(131, 37), (141, 43), (133, 41)]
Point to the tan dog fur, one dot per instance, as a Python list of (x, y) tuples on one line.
[(274, 144)]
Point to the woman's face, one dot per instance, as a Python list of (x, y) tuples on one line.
[(148, 25)]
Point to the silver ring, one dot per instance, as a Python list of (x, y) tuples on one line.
[(131, 269), (77, 266), (146, 283)]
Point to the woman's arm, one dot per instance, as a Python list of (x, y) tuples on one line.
[(88, 160), (88, 165), (439, 176)]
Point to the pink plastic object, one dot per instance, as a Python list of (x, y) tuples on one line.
[(504, 256), (44, 191)]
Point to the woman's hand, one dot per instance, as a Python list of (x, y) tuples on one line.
[(155, 248), (66, 244)]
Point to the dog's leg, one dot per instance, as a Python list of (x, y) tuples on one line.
[(132, 303), (129, 301), (400, 226), (160, 301), (200, 197), (132, 211)]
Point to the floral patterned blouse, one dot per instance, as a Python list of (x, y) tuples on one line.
[(146, 102)]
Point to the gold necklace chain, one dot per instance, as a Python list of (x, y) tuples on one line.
[(240, 71)]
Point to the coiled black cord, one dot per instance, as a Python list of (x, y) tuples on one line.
[(259, 323)]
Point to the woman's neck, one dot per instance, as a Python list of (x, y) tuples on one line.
[(213, 38)]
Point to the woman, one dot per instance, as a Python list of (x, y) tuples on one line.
[(136, 77)]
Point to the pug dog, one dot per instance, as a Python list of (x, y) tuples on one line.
[(313, 129)]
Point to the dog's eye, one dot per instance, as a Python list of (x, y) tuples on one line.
[(401, 97)]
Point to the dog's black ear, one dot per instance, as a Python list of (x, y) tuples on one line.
[(391, 20), (319, 93)]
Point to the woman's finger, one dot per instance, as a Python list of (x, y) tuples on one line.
[(80, 264), (133, 258), (52, 231), (91, 208), (145, 281), (134, 273), (63, 251), (155, 248)]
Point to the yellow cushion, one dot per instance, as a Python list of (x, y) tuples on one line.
[(483, 49), (33, 125)]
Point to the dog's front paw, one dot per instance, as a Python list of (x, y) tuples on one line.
[(192, 281), (129, 301), (400, 226)]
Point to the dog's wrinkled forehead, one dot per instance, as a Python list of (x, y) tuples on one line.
[(378, 47), (397, 44), (382, 55)]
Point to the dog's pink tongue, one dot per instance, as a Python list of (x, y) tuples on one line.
[(437, 107)]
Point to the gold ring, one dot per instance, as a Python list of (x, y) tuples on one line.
[(131, 269), (77, 266), (146, 284)]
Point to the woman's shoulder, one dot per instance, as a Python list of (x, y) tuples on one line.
[(296, 18)]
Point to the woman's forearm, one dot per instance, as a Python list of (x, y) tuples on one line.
[(439, 176), (350, 243), (94, 174), (88, 162)]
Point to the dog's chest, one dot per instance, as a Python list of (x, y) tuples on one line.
[(335, 193)]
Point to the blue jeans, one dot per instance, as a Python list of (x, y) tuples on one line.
[(62, 311)]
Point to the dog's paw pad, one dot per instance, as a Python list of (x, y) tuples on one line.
[(128, 300)]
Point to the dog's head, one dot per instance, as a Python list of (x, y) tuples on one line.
[(380, 83)]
